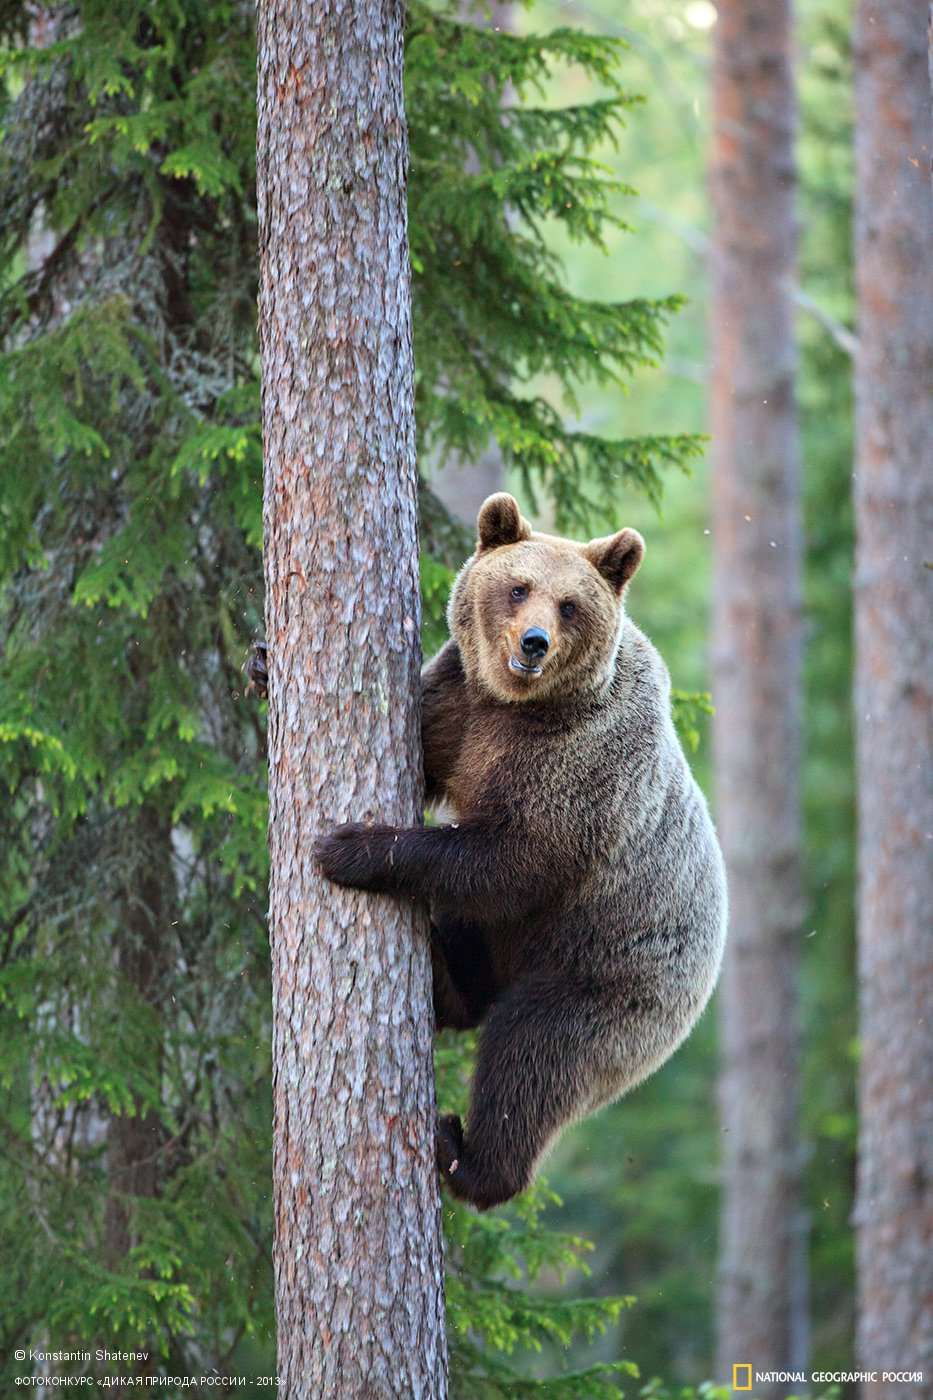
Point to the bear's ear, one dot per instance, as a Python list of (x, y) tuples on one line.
[(500, 522), (617, 557)]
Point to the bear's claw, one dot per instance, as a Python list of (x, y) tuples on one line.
[(449, 1144)]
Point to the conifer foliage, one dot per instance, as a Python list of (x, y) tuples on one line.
[(134, 1016)]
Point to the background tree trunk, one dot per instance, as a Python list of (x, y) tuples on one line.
[(134, 1139), (930, 66), (358, 1254), (464, 486), (894, 690), (762, 1305)]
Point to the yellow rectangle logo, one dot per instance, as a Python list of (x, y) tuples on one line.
[(742, 1377)]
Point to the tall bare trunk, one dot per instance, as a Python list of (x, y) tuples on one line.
[(930, 63), (358, 1254), (894, 692), (133, 1139), (464, 486), (72, 1133), (762, 1306)]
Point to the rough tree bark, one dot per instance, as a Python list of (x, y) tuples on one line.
[(757, 636), (358, 1253), (894, 691)]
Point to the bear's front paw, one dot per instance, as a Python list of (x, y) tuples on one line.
[(357, 855), (449, 1144)]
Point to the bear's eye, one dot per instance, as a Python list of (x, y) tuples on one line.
[(519, 592), (568, 609)]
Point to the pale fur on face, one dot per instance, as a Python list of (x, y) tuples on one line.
[(556, 576)]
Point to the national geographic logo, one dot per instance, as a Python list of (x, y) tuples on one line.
[(743, 1377)]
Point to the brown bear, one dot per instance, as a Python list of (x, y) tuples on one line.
[(577, 893)]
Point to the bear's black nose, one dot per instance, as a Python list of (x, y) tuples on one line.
[(535, 643)]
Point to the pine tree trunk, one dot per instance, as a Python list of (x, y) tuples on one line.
[(757, 637), (930, 64), (894, 692), (358, 1253), (463, 486), (134, 1139)]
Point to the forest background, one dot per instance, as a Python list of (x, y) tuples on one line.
[(188, 1264), (656, 1218), (642, 1179)]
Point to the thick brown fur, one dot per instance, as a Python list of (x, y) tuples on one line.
[(577, 894)]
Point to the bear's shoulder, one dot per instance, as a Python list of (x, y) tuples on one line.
[(445, 668)]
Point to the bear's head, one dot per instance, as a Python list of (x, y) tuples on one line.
[(536, 617)]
